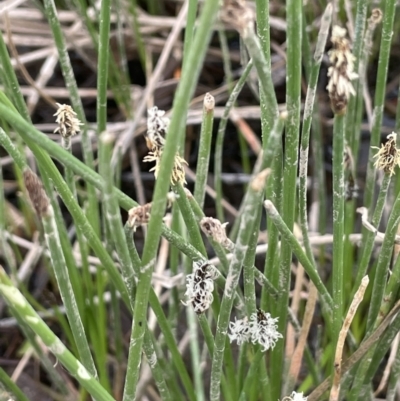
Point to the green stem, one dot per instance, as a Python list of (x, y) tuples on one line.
[(254, 198), (338, 224), (263, 29), (102, 66), (273, 193), (390, 320), (203, 158), (378, 290), (248, 219), (391, 389), (11, 80), (369, 237), (219, 143), (68, 74), (77, 213), (34, 138), (356, 105), (301, 256), (190, 220), (11, 386), (113, 216), (307, 121), (391, 290), (382, 267), (181, 102), (66, 290), (189, 30), (194, 342), (161, 318), (16, 300), (380, 92), (119, 242), (62, 258), (274, 185), (252, 374), (376, 355), (263, 68), (293, 102), (248, 268)]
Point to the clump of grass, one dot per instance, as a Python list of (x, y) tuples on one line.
[(247, 332)]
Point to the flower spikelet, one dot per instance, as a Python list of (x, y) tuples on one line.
[(157, 126), (351, 188), (263, 330), (200, 286), (68, 124), (37, 195), (154, 156), (139, 215), (295, 397), (178, 170), (215, 229), (341, 71), (388, 156), (237, 14), (239, 331)]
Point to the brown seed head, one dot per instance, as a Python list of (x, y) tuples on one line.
[(341, 71), (215, 229), (178, 170), (37, 195), (237, 14), (388, 156), (139, 215), (376, 16)]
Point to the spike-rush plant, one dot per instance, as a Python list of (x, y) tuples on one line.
[(214, 324)]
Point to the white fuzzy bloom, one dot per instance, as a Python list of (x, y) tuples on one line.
[(200, 286), (295, 397), (157, 126), (240, 331), (298, 397), (261, 329)]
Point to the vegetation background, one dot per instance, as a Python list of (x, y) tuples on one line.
[(92, 302)]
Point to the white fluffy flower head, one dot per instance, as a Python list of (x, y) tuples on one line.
[(200, 286), (295, 397), (264, 330), (240, 331), (261, 329), (157, 126)]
